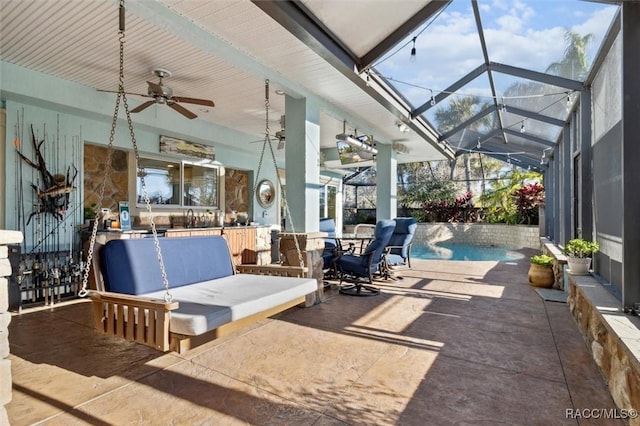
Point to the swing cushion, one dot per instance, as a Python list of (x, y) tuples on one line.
[(210, 304), (131, 266), (202, 280)]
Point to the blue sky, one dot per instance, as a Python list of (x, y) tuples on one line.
[(527, 34)]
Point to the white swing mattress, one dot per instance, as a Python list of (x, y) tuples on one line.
[(207, 305)]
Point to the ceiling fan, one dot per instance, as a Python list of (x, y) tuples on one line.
[(163, 95)]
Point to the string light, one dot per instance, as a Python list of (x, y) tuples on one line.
[(475, 151), (478, 145), (433, 100), (522, 129), (569, 102), (367, 77), (503, 107), (412, 58)]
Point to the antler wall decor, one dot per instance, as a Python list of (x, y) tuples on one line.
[(54, 198)]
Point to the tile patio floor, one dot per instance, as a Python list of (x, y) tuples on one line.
[(453, 343)]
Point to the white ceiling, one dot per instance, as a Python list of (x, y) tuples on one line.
[(221, 50)]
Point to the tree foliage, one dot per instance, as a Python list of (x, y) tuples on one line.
[(499, 202)]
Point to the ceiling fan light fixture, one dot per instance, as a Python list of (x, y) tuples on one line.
[(402, 127)]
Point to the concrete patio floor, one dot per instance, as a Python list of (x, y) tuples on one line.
[(453, 343)]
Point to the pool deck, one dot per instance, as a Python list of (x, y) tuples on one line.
[(451, 343)]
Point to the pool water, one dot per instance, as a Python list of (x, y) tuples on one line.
[(450, 251)]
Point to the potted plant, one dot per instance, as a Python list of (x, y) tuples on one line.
[(578, 252), (89, 214), (541, 271)]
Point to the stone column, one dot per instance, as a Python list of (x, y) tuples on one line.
[(311, 247), (263, 245), (6, 238)]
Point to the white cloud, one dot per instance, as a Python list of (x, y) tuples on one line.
[(510, 23)]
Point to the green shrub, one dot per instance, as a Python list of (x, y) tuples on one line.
[(542, 259), (581, 248)]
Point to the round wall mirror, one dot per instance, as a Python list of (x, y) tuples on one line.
[(265, 193)]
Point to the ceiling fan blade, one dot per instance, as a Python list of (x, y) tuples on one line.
[(182, 110), (204, 102), (143, 106)]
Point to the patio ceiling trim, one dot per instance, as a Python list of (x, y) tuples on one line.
[(467, 122), (450, 90), (300, 22), (565, 83), (400, 33)]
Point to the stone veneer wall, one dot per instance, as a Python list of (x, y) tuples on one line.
[(236, 192), (485, 234), (117, 184), (263, 245), (612, 337), (559, 263), (6, 238)]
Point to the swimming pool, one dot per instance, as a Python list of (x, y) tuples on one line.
[(451, 251)]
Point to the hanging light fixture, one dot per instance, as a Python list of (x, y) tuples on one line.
[(412, 58)]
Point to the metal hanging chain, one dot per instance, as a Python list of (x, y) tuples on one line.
[(267, 142), (122, 95)]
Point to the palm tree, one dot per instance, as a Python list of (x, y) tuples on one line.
[(458, 111), (574, 64)]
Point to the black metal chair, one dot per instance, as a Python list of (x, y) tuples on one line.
[(359, 270)]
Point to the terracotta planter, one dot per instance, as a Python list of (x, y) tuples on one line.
[(541, 276), (578, 265)]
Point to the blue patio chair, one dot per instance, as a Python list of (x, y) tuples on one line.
[(398, 251), (359, 270), (331, 249)]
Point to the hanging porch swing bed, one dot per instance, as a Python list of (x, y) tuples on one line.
[(209, 299), (175, 293)]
